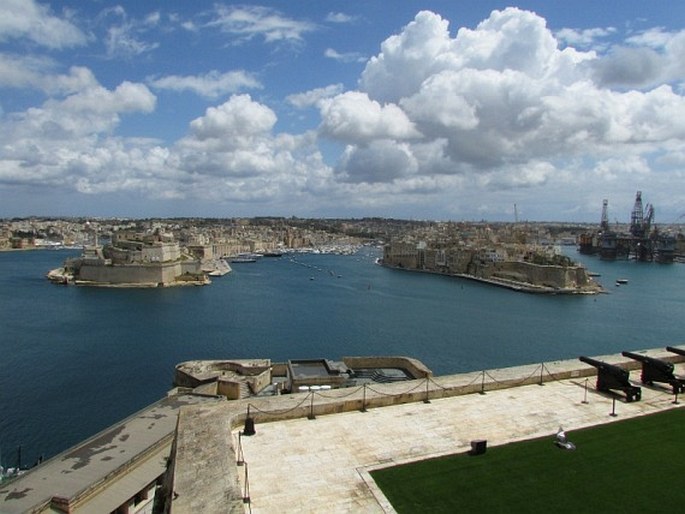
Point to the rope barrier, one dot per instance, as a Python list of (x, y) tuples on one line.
[(457, 388), (554, 377), (520, 382), (420, 384), (278, 412), (541, 369), (336, 396)]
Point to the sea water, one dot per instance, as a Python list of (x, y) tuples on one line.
[(74, 360)]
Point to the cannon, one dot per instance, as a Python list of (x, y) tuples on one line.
[(611, 377), (655, 370), (676, 350)]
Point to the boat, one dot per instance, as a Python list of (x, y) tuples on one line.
[(621, 280), (243, 258)]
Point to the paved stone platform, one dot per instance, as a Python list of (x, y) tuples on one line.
[(135, 449), (323, 464)]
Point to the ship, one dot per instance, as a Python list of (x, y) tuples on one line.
[(243, 258)]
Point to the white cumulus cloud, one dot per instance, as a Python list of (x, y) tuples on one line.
[(240, 116), (503, 101), (36, 22), (354, 117), (210, 85)]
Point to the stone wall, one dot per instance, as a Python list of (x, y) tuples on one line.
[(161, 252), (194, 373), (228, 388), (541, 275), (164, 273), (415, 367)]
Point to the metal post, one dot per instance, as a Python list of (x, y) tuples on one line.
[(246, 490), (241, 457), (542, 370), (613, 408), (364, 399), (311, 407), (426, 399), (585, 395)]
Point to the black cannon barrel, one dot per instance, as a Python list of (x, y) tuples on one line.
[(664, 366), (592, 362), (656, 370), (612, 368), (637, 356), (676, 350)]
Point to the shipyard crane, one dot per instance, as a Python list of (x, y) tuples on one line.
[(604, 224), (648, 218), (637, 217)]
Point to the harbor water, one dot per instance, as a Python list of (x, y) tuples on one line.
[(74, 360)]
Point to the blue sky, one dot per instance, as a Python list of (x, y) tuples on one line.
[(425, 110)]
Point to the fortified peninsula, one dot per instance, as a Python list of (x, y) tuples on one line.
[(132, 260), (525, 268)]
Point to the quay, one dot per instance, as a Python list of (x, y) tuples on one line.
[(313, 451)]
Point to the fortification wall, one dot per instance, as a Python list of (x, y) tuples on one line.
[(164, 273), (550, 276)]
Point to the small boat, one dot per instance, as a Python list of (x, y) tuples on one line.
[(244, 257), (622, 281)]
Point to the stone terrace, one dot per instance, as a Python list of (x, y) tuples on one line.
[(312, 451)]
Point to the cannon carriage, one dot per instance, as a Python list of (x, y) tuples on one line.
[(656, 370), (611, 377)]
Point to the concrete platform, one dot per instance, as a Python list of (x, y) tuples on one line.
[(99, 474), (322, 464)]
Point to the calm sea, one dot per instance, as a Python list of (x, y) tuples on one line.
[(75, 360)]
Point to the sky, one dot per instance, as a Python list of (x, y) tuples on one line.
[(444, 110)]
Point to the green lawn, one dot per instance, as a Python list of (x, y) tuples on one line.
[(633, 465)]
